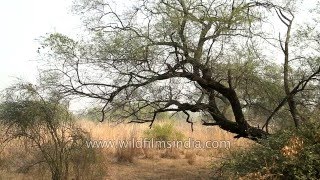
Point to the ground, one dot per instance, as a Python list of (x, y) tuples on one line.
[(161, 169)]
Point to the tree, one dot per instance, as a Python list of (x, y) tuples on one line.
[(50, 134), (173, 56), (301, 85)]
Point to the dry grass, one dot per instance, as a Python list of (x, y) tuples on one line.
[(105, 131), (149, 153), (171, 153), (191, 157), (149, 163)]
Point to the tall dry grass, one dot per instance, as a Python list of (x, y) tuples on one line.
[(16, 153), (125, 131)]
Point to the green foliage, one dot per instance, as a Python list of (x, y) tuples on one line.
[(54, 138), (165, 132), (291, 154), (50, 133), (60, 43), (92, 114), (28, 113)]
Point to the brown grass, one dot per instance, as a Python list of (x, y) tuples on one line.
[(149, 153), (171, 153), (137, 163), (191, 157)]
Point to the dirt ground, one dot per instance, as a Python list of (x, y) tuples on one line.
[(161, 169), (144, 169)]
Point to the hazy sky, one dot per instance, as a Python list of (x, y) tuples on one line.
[(22, 22)]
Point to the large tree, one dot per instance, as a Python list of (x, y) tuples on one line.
[(180, 56)]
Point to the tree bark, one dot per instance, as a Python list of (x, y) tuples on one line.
[(286, 66)]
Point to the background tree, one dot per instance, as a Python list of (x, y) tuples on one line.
[(175, 56), (49, 132)]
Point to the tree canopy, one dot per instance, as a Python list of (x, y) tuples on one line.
[(191, 56)]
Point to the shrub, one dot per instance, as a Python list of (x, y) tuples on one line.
[(85, 163), (54, 141), (92, 114), (49, 131), (164, 133), (291, 154)]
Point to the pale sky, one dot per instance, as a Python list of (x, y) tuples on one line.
[(22, 22)]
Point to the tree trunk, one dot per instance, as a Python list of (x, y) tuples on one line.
[(291, 101)]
